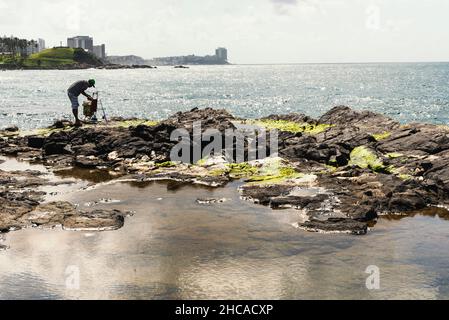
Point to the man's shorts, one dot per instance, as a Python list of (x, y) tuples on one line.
[(74, 101)]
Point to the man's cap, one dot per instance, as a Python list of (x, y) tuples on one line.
[(92, 82)]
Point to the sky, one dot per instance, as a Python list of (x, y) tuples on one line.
[(254, 31)]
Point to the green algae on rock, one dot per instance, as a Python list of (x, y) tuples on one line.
[(135, 123), (273, 171), (240, 170), (382, 136), (394, 155), (366, 159), (290, 126), (166, 164)]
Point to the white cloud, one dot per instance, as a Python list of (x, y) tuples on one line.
[(253, 30)]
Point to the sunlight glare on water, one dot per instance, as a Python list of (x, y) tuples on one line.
[(406, 92)]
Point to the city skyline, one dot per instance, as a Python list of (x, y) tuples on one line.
[(87, 43), (267, 31)]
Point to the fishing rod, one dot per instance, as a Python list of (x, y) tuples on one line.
[(103, 110)]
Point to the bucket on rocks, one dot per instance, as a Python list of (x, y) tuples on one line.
[(90, 109)]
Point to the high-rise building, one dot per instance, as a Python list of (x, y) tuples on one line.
[(100, 51), (71, 43), (221, 54), (84, 42), (40, 44)]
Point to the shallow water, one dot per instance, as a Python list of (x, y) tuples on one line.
[(174, 248), (61, 183), (405, 91)]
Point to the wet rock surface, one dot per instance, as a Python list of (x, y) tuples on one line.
[(335, 225), (22, 206), (343, 170), (211, 201)]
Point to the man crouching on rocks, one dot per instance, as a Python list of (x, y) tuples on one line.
[(74, 91)]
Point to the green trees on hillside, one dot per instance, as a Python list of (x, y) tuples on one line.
[(22, 53), (15, 48)]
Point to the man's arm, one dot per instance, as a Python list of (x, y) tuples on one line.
[(86, 95)]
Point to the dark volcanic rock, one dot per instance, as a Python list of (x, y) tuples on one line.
[(294, 117), (29, 213), (263, 194), (335, 225), (51, 148), (36, 142), (364, 120), (297, 202), (136, 141), (95, 220), (209, 119), (60, 124), (20, 207), (88, 162), (214, 181), (12, 129), (416, 139)]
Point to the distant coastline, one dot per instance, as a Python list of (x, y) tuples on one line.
[(4, 67)]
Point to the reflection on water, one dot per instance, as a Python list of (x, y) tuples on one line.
[(56, 186), (12, 164), (95, 176), (174, 248), (440, 213)]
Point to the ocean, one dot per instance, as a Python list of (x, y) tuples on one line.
[(404, 91)]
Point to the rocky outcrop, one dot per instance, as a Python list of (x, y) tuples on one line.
[(374, 166), (50, 215), (335, 225), (91, 146), (121, 66), (21, 207), (343, 170)]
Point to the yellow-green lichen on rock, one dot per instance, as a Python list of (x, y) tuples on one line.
[(202, 162), (167, 164), (274, 171), (134, 123), (282, 175), (382, 136), (240, 170), (329, 169), (233, 170), (266, 171), (401, 173), (290, 126), (394, 155), (405, 177), (366, 159)]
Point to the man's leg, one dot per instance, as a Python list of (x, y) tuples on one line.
[(77, 120), (75, 105)]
